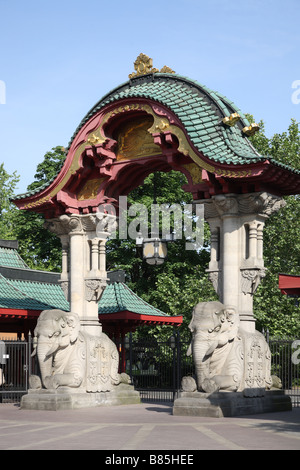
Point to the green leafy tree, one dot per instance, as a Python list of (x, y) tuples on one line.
[(274, 311), (8, 185), (39, 248), (48, 168)]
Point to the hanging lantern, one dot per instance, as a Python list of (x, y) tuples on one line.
[(154, 251)]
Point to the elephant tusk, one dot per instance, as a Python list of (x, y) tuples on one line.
[(211, 348), (52, 350)]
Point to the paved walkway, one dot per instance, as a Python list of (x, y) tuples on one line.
[(144, 427)]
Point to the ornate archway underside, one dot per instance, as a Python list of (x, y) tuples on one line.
[(159, 122)]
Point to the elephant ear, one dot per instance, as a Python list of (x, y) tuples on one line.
[(73, 323)]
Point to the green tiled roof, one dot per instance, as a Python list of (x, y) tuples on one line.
[(12, 297), (10, 258), (26, 294), (200, 110), (50, 294), (117, 297)]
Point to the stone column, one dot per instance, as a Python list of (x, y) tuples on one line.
[(236, 266), (64, 278), (84, 282)]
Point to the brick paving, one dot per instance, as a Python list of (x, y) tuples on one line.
[(144, 427)]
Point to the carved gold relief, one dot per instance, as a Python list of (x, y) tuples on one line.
[(233, 173), (94, 139), (251, 130), (135, 141), (232, 119), (31, 205), (144, 64), (90, 189), (195, 172)]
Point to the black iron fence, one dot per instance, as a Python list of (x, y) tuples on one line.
[(286, 366), (155, 366)]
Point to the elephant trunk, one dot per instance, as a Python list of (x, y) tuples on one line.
[(45, 360), (201, 359)]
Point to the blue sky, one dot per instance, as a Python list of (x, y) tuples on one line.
[(58, 58)]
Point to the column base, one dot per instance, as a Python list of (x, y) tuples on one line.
[(229, 404), (248, 322), (91, 326)]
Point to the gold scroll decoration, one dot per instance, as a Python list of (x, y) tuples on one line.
[(90, 189), (134, 140), (195, 171)]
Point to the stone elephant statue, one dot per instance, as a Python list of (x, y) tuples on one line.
[(70, 357), (226, 357)]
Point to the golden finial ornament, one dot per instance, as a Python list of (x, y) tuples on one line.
[(144, 64), (232, 119), (251, 130)]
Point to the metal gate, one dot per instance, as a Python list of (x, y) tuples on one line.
[(14, 370), (286, 365), (156, 367)]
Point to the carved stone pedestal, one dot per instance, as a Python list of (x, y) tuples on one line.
[(229, 404), (66, 398), (78, 370)]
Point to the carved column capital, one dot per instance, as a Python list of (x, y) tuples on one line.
[(220, 205), (64, 225), (102, 224), (261, 203)]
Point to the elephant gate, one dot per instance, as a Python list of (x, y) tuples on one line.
[(161, 121)]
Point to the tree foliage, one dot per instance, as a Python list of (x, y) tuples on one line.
[(274, 311), (8, 185), (48, 168), (39, 248)]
